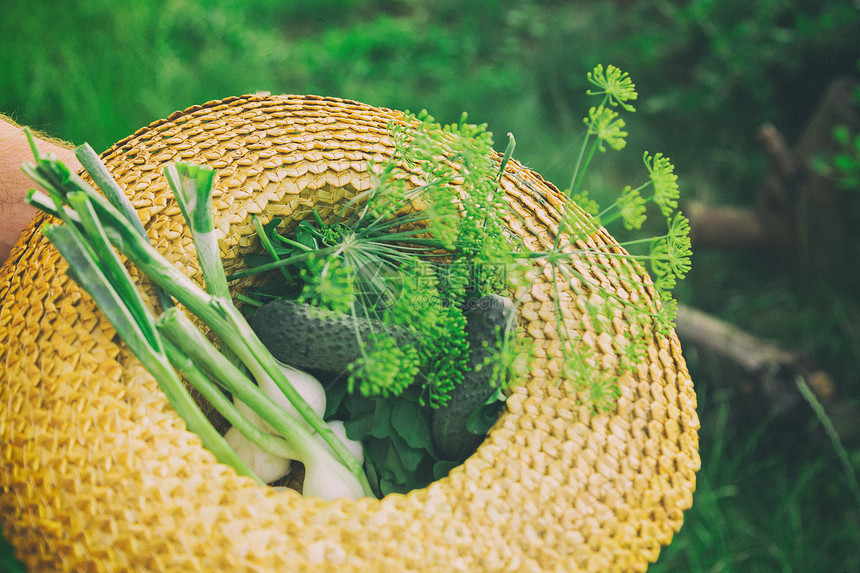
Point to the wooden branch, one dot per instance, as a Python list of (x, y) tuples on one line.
[(800, 216), (772, 369), (775, 368), (776, 148), (725, 227), (755, 356)]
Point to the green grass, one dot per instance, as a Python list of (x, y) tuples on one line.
[(771, 496)]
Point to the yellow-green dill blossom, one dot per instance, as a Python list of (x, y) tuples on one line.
[(680, 247), (667, 310), (588, 204), (670, 254), (607, 126), (631, 206), (616, 84), (328, 283), (662, 174)]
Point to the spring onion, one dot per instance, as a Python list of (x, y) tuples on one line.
[(91, 224)]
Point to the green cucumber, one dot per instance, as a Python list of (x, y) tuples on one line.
[(312, 338)]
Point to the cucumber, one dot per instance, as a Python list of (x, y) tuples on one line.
[(308, 337), (486, 324)]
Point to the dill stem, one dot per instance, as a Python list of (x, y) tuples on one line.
[(580, 169)]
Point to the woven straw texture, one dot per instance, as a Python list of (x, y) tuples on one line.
[(97, 472)]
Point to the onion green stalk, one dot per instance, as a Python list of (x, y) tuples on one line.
[(90, 219), (130, 318), (192, 187), (114, 193), (315, 455), (197, 378)]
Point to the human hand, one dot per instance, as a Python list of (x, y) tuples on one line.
[(14, 183)]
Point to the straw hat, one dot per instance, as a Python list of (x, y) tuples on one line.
[(97, 472)]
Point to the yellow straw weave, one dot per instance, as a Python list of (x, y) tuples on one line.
[(98, 473)]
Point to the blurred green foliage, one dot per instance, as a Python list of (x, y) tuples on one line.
[(709, 72)]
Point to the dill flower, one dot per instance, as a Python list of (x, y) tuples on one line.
[(385, 369), (607, 126), (616, 84), (662, 174), (667, 311), (679, 245), (670, 254), (631, 206), (587, 204), (441, 349), (328, 284)]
